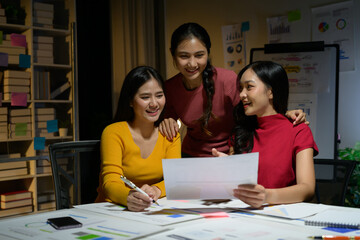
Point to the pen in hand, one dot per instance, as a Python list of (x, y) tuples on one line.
[(136, 188)]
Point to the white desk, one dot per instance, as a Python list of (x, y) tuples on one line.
[(115, 223)]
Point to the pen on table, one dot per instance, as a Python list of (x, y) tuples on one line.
[(136, 188), (329, 237)]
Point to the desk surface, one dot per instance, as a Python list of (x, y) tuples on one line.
[(175, 220)]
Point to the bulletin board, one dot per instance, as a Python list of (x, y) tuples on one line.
[(313, 72)]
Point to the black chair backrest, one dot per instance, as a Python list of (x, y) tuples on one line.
[(75, 169), (332, 178)]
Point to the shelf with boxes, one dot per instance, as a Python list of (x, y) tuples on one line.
[(37, 98)]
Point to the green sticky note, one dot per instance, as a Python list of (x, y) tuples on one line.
[(20, 129), (294, 15)]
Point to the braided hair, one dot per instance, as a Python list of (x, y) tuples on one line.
[(188, 31)]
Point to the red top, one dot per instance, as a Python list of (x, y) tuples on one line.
[(188, 105), (278, 141)]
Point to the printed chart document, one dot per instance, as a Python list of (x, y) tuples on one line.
[(169, 212), (209, 177), (94, 226)]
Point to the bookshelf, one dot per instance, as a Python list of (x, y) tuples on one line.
[(38, 96)]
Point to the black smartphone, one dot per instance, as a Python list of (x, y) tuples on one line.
[(60, 223)]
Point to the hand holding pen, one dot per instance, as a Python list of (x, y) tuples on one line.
[(136, 188)]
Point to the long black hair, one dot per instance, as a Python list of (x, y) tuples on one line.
[(133, 81), (274, 77), (189, 31)]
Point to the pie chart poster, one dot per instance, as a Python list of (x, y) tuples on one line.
[(334, 24), (234, 47)]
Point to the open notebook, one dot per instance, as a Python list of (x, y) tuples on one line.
[(335, 218)]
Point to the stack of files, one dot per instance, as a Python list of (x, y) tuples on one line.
[(42, 115), (43, 14), (12, 51), (19, 117), (2, 15), (16, 202), (43, 166), (46, 200), (3, 123), (16, 81), (43, 49), (15, 168), (42, 85)]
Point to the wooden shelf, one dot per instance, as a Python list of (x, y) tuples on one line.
[(60, 71)]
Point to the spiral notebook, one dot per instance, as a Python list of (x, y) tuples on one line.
[(335, 218)]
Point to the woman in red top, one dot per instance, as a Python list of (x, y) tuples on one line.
[(286, 167)]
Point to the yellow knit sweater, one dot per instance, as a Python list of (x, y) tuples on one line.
[(121, 156)]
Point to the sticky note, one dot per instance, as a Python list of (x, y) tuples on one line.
[(20, 129), (4, 59), (39, 143), (24, 61), (294, 15), (245, 26), (18, 99), (52, 126), (215, 215), (18, 40)]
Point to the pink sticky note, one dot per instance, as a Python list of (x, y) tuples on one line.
[(18, 99), (185, 201), (18, 40), (215, 215)]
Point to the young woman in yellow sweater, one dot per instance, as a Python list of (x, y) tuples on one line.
[(133, 146)]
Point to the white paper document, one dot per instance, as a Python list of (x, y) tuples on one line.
[(209, 177)]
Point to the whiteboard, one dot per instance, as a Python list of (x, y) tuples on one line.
[(313, 72)]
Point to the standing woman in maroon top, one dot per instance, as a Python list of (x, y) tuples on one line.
[(286, 166), (201, 95)]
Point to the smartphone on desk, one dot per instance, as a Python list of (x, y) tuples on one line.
[(60, 223)]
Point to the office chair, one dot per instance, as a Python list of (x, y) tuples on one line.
[(75, 168), (332, 178)]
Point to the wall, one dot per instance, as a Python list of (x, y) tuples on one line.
[(214, 14)]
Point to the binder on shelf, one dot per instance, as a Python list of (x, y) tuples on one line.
[(16, 81), (47, 205), (12, 165), (16, 203), (20, 112), (16, 74), (11, 196), (14, 211), (45, 111), (13, 172)]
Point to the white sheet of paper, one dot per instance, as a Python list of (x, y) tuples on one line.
[(208, 177)]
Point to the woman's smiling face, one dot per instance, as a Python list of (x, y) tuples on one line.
[(191, 58), (255, 95), (149, 101)]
